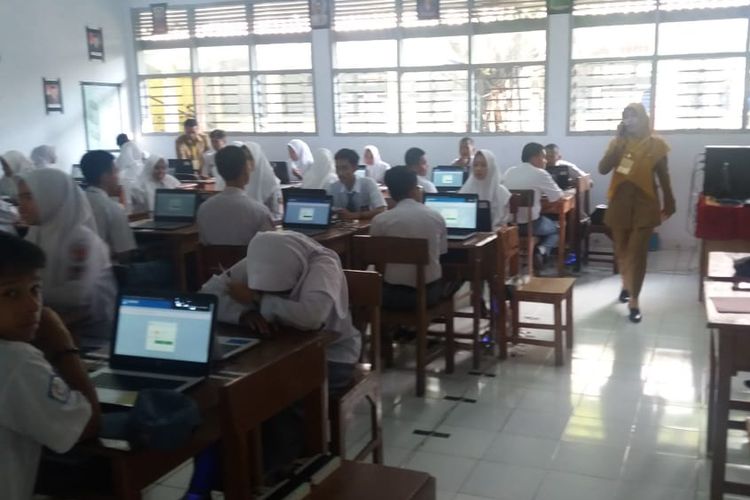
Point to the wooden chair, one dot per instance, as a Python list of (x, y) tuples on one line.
[(365, 298), (508, 254), (583, 218), (596, 226), (381, 251), (213, 259), (523, 200)]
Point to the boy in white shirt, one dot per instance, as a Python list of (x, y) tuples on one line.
[(354, 197), (410, 219), (232, 217), (466, 151), (46, 398), (531, 174), (554, 159), (416, 161), (102, 178)]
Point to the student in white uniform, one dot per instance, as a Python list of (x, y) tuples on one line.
[(532, 175), (416, 161), (14, 163), (301, 158), (43, 156), (153, 177), (323, 172), (354, 197), (264, 187), (218, 140), (130, 161), (376, 167), (78, 280), (466, 151), (410, 219), (46, 398), (103, 185), (231, 217), (485, 182)]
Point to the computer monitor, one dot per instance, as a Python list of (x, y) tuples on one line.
[(727, 173), (175, 205), (458, 210), (304, 211)]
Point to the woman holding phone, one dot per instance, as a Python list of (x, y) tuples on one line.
[(637, 159)]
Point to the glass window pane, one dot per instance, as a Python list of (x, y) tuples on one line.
[(509, 99), (435, 51), (224, 102), (600, 91), (284, 103), (366, 54), (229, 58), (163, 61), (700, 94), (700, 4), (509, 47), (280, 56), (166, 103), (600, 8), (452, 12), (434, 101), (221, 21), (614, 41), (703, 37), (360, 15), (366, 102)]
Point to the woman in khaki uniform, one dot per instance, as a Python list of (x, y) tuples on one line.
[(638, 158)]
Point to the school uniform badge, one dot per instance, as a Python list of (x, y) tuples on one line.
[(58, 389)]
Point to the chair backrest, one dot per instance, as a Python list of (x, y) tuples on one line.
[(583, 192), (523, 199), (365, 299), (215, 258), (484, 216)]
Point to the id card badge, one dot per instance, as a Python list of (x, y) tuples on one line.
[(626, 165)]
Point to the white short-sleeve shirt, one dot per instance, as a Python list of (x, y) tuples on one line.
[(527, 176), (366, 194), (111, 222), (37, 408), (232, 218)]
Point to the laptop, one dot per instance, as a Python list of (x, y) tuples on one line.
[(448, 179), (160, 341), (304, 192), (281, 169), (361, 171), (173, 209), (458, 210), (181, 167), (307, 214), (561, 175)]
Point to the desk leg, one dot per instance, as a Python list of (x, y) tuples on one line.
[(703, 270), (500, 315), (721, 415), (711, 392), (476, 295), (562, 246), (178, 257), (575, 240), (124, 488), (315, 410)]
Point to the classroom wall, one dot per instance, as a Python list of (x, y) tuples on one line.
[(47, 38), (584, 150)]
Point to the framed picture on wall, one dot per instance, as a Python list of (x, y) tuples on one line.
[(52, 95), (159, 19), (320, 14), (95, 44), (428, 9)]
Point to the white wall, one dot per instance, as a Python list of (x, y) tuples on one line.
[(47, 38)]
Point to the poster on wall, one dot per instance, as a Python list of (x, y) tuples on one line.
[(52, 95), (428, 9), (320, 14), (95, 43), (159, 18)]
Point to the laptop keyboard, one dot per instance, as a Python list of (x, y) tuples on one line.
[(133, 382)]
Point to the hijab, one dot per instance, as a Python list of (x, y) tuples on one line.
[(18, 165), (43, 156), (304, 155), (323, 171), (378, 168), (489, 188), (149, 185), (285, 261), (263, 182)]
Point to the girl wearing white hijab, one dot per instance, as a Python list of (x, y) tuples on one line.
[(153, 177), (264, 186), (78, 280), (43, 156), (301, 156), (485, 182), (376, 167), (14, 164), (323, 172)]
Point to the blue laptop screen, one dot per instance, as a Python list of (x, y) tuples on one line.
[(175, 204), (313, 212), (448, 178), (168, 329), (458, 212)]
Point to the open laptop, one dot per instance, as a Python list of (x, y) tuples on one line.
[(160, 341), (361, 171), (281, 169), (448, 179), (173, 209), (304, 192), (307, 214), (561, 175), (458, 210), (179, 166)]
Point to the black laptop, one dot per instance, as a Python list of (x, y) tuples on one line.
[(173, 209), (281, 169)]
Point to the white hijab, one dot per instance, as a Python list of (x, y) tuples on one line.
[(43, 156), (490, 188), (323, 171), (379, 167), (283, 261), (18, 164), (304, 155), (263, 182), (148, 185)]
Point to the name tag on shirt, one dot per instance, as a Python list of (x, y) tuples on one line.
[(626, 165)]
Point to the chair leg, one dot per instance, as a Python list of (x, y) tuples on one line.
[(386, 344), (500, 318), (421, 358), (450, 345), (338, 429), (376, 420), (569, 319), (558, 334), (515, 320)]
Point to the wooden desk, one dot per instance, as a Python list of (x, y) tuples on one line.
[(339, 238), (730, 353), (374, 482), (269, 363), (181, 242), (721, 265), (708, 247), (564, 209)]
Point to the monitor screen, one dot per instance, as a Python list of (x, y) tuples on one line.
[(315, 212), (176, 329), (175, 203), (459, 212), (361, 171), (448, 178)]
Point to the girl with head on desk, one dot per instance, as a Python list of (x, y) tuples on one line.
[(485, 182), (153, 177), (637, 159)]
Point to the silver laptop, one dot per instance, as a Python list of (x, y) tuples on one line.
[(459, 211), (308, 214), (173, 209), (160, 342)]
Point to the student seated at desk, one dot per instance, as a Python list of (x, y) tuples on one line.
[(153, 177), (218, 140), (466, 153), (46, 398), (554, 159), (232, 217), (411, 219), (78, 280), (485, 182), (43, 156), (264, 186), (103, 184), (323, 172), (301, 158), (14, 163), (376, 167), (416, 161), (354, 197)]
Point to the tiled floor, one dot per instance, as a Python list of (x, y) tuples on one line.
[(624, 419)]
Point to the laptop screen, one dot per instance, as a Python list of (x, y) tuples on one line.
[(459, 212), (176, 329), (307, 211), (175, 204), (361, 171), (448, 178)]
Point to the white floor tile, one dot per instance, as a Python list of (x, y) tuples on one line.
[(462, 442), (526, 451), (160, 492), (503, 481), (564, 486), (590, 460), (664, 470), (449, 472), (537, 424)]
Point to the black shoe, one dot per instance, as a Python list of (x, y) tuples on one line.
[(624, 296), (635, 315)]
